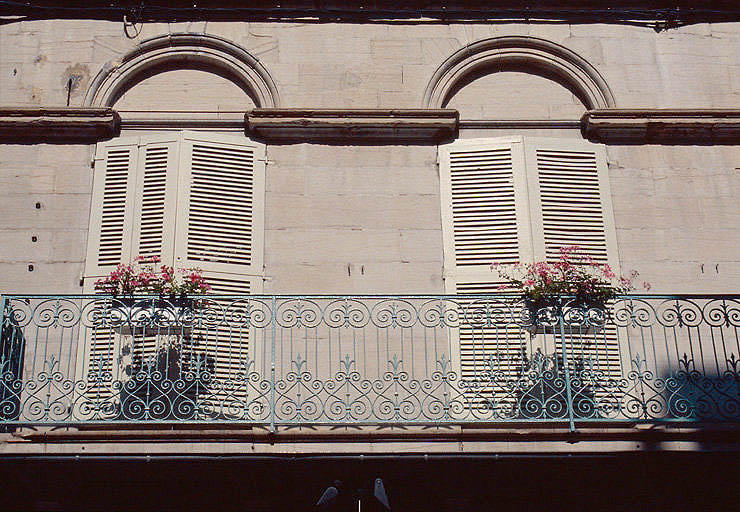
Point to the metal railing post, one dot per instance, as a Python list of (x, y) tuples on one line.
[(3, 303), (566, 366), (2, 312), (272, 366)]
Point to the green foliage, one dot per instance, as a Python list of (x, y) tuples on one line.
[(574, 274), (143, 276)]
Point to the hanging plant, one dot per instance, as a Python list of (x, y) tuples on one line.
[(574, 274), (147, 276)]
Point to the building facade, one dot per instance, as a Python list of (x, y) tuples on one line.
[(358, 170)]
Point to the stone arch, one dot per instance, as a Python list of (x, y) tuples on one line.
[(189, 51), (532, 54)]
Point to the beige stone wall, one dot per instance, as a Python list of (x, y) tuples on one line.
[(45, 208), (365, 219), (516, 95), (325, 65), (677, 215), (352, 220), (193, 89)]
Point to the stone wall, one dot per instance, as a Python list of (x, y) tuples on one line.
[(365, 218), (343, 66)]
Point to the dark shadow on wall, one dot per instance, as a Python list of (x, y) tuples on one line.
[(695, 394), (517, 482), (12, 352)]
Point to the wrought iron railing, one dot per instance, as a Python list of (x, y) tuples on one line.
[(367, 360)]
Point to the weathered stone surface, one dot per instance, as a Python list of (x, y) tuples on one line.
[(352, 125), (360, 202), (665, 126)]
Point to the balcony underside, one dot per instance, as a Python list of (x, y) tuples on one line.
[(644, 481)]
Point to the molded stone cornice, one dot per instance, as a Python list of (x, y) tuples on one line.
[(369, 125), (33, 125), (662, 126)]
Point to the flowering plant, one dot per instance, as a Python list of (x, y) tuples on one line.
[(574, 273), (143, 276)]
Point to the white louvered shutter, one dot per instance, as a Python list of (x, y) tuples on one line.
[(133, 204), (485, 220), (221, 212), (155, 208), (133, 214), (571, 202), (155, 205), (220, 231), (111, 216), (572, 206), (110, 239), (484, 210)]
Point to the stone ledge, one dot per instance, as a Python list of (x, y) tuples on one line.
[(355, 125), (34, 125), (662, 126), (545, 431)]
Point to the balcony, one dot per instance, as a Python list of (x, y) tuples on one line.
[(271, 362)]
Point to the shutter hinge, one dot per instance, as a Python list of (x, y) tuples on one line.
[(264, 158)]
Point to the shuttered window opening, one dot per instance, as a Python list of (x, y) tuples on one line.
[(492, 346), (100, 345), (195, 200), (595, 364), (522, 199), (225, 340)]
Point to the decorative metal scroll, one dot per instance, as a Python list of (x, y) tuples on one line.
[(428, 360)]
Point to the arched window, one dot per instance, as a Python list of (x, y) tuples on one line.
[(164, 54), (522, 196), (194, 199)]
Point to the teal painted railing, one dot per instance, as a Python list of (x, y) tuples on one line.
[(367, 360)]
